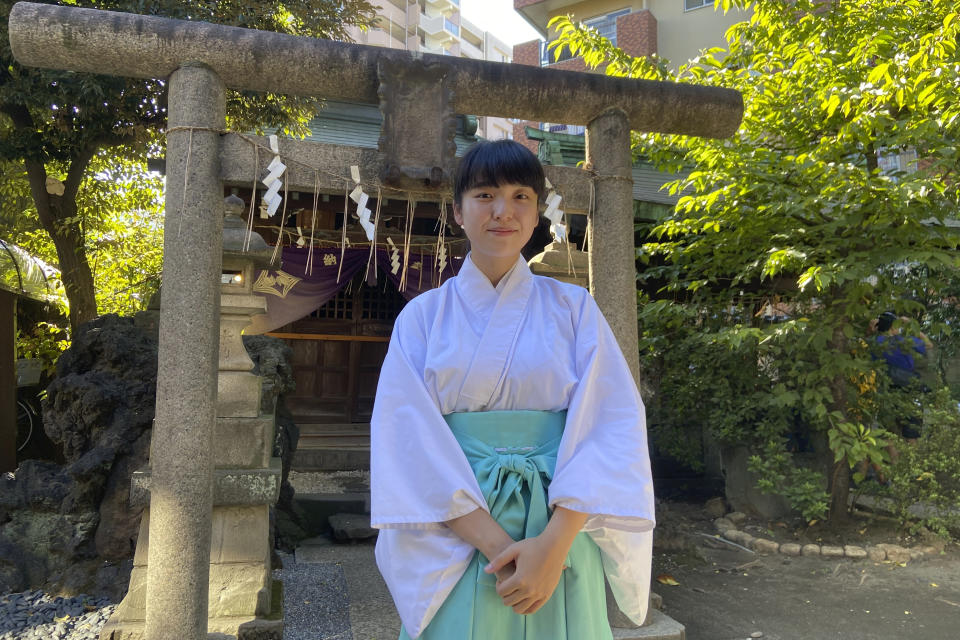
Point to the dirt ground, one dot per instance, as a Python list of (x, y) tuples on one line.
[(729, 594)]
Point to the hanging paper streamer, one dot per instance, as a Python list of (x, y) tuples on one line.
[(372, 235), (272, 180), (555, 215), (343, 237), (358, 196), (441, 249), (394, 257), (442, 258), (407, 236), (313, 222)]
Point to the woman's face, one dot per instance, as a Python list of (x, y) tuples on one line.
[(498, 220)]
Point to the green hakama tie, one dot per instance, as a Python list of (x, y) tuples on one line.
[(513, 454)]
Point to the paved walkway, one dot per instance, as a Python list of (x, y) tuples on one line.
[(334, 592)]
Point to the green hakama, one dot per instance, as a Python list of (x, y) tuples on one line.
[(513, 455)]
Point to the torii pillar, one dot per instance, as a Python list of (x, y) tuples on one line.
[(200, 60)]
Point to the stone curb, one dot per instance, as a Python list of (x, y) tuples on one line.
[(876, 553)]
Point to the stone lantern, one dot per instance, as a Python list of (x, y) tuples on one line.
[(556, 261), (237, 386), (246, 480)]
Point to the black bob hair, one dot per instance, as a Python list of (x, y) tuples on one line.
[(885, 321), (497, 163)]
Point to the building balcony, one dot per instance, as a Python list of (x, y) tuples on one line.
[(393, 13), (538, 12), (470, 50), (440, 51), (444, 5), (439, 28)]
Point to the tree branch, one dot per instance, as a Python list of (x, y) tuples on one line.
[(78, 166), (19, 114)]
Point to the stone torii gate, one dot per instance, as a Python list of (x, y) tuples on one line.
[(419, 95)]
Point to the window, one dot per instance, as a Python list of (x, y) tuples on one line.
[(689, 5), (547, 56), (606, 25)]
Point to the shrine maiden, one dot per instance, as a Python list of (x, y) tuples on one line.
[(509, 452)]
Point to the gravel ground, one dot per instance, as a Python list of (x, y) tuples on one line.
[(315, 602), (316, 607), (34, 614)]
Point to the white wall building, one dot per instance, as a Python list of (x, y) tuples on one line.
[(436, 26)]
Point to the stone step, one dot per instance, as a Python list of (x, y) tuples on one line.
[(373, 616), (331, 458), (318, 507), (661, 627)]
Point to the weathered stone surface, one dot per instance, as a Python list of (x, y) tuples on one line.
[(230, 486), (239, 589), (762, 545), (810, 550), (894, 552), (419, 124), (723, 524), (790, 549), (740, 537), (853, 551), (238, 394), (240, 534), (152, 47), (261, 629), (830, 551), (187, 362), (715, 507), (244, 443), (351, 526), (876, 554), (736, 517), (610, 229)]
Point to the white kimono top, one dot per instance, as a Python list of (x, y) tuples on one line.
[(531, 343)]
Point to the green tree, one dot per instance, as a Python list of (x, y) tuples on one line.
[(798, 206), (63, 128)]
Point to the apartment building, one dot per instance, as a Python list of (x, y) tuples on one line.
[(676, 30), (673, 29), (436, 26)]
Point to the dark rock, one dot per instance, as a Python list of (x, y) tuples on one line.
[(351, 526), (271, 361), (59, 523), (99, 410), (715, 507), (116, 537)]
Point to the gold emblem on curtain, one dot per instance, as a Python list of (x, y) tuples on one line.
[(275, 283)]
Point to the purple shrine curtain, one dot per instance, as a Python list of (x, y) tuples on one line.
[(294, 291)]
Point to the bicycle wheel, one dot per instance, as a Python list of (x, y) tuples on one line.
[(24, 425)]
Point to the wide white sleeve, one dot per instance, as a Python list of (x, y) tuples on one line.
[(603, 464), (419, 475), (419, 479)]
